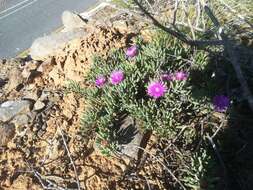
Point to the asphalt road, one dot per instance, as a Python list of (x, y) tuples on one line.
[(22, 21)]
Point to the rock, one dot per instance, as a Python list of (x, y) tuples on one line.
[(121, 25), (43, 47), (7, 132), (39, 105), (45, 95), (28, 68), (2, 61), (31, 65), (10, 109), (15, 79), (71, 20), (129, 137), (46, 66)]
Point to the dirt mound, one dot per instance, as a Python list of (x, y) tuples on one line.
[(72, 62)]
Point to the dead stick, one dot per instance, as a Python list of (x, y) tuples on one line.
[(233, 55), (177, 34), (219, 157), (71, 160), (158, 160)]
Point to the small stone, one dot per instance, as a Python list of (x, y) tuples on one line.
[(129, 138), (15, 79), (44, 95), (31, 65), (7, 132), (27, 152), (53, 150), (29, 68), (40, 133), (46, 66), (30, 86), (38, 105), (71, 20), (7, 104), (121, 25), (10, 109)]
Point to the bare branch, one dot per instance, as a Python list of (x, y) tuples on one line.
[(236, 14), (233, 57), (177, 34)]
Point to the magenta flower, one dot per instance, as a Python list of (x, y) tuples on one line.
[(132, 51), (156, 89), (167, 77), (221, 103), (117, 77), (100, 81), (180, 75)]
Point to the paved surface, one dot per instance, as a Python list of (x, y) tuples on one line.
[(22, 21)]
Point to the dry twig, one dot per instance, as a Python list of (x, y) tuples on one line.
[(160, 162), (70, 158), (50, 185), (233, 57), (218, 156), (177, 34)]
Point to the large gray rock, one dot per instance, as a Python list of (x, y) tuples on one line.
[(10, 109), (48, 45), (71, 20)]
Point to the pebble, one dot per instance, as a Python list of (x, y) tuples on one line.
[(10, 109), (39, 105)]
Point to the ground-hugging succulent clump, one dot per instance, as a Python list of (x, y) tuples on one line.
[(154, 85), (160, 84), (186, 97)]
